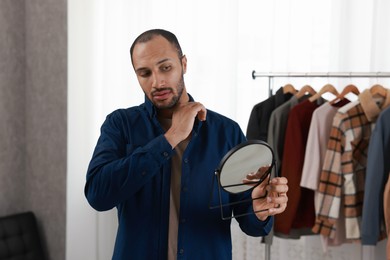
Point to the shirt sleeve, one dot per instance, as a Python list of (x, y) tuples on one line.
[(249, 223), (330, 183), (312, 163), (118, 170), (252, 226)]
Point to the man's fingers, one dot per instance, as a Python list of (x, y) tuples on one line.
[(279, 180), (202, 113), (278, 185)]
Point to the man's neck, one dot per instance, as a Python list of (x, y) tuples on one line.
[(167, 112)]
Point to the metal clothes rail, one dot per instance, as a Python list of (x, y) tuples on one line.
[(273, 75), (323, 74)]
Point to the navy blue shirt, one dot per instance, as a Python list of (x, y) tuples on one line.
[(130, 170)]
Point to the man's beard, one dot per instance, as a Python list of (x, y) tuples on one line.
[(175, 98)]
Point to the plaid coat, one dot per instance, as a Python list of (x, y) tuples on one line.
[(341, 187)]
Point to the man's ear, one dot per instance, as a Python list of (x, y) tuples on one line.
[(184, 63)]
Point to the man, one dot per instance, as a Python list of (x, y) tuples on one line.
[(155, 163)]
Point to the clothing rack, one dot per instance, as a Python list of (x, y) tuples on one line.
[(272, 75)]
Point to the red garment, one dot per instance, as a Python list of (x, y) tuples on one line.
[(300, 212)]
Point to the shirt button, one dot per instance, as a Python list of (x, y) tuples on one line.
[(185, 189), (181, 251), (183, 220), (165, 154), (186, 160), (143, 173)]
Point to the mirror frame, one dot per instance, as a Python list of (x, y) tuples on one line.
[(217, 175)]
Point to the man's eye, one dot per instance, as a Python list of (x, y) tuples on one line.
[(144, 74), (166, 68)]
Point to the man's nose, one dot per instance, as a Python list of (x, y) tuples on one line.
[(158, 81)]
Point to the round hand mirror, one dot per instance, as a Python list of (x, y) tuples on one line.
[(245, 166)]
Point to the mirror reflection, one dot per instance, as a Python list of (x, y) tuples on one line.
[(245, 166)]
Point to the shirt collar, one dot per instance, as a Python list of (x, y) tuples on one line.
[(152, 112), (370, 107), (281, 97)]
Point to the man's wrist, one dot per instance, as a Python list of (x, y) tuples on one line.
[(172, 139)]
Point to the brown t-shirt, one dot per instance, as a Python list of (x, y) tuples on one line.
[(174, 205)]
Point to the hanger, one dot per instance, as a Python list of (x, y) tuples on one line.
[(378, 90), (351, 88), (305, 89), (327, 88), (288, 88)]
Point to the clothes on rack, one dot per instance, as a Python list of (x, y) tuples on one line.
[(261, 112), (277, 129), (377, 174), (276, 132), (323, 150), (386, 201), (343, 173), (259, 121), (300, 211), (318, 137)]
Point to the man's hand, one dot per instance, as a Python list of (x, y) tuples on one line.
[(183, 119), (276, 200)]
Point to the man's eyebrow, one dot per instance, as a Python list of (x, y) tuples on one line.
[(158, 63), (162, 61), (141, 69)]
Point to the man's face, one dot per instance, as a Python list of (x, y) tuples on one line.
[(159, 71)]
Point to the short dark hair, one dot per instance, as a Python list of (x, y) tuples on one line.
[(150, 34)]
